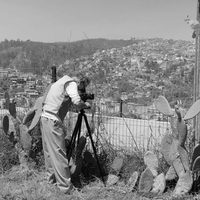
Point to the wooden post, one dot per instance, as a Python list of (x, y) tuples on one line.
[(54, 75), (120, 108)]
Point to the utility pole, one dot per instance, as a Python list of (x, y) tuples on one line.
[(196, 90)]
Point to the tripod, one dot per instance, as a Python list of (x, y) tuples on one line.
[(76, 135)]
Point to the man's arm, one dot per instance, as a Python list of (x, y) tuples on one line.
[(72, 91)]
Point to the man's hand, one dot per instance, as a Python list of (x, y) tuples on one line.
[(83, 105), (88, 106)]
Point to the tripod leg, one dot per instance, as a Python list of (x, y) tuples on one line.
[(74, 135), (93, 146), (79, 130)]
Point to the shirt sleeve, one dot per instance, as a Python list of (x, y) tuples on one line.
[(72, 91)]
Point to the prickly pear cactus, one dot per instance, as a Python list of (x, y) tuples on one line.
[(174, 152), (18, 135), (146, 181), (151, 161), (132, 181), (173, 147), (22, 153), (184, 184), (159, 184)]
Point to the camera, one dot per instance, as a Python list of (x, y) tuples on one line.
[(82, 90), (86, 96)]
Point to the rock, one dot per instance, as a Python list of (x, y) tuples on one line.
[(159, 184), (117, 164), (151, 160), (146, 181), (112, 179), (132, 181)]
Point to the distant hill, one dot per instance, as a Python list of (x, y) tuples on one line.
[(36, 57), (138, 69)]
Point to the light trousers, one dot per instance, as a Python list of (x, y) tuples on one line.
[(53, 138)]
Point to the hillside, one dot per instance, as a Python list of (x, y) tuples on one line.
[(141, 71), (137, 70), (36, 57)]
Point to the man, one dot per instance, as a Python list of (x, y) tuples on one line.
[(62, 94)]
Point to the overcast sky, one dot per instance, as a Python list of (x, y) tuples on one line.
[(71, 20)]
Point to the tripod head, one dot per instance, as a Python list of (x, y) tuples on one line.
[(82, 111)]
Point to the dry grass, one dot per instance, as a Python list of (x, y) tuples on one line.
[(27, 184)]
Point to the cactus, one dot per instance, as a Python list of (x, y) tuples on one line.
[(173, 147), (17, 133)]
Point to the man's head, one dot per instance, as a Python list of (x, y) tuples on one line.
[(83, 82)]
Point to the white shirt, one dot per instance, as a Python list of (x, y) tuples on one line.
[(56, 95)]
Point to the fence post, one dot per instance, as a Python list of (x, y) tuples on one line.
[(54, 76), (120, 108)]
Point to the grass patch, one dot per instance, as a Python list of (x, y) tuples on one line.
[(30, 184)]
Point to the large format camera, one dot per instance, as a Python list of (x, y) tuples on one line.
[(84, 95), (82, 91)]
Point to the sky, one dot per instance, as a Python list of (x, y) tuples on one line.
[(72, 20)]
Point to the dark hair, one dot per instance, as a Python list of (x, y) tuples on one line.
[(85, 80), (83, 83)]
